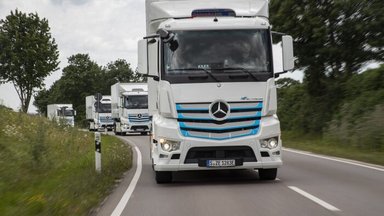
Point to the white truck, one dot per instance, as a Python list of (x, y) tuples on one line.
[(211, 86), (130, 108), (62, 113), (98, 113)]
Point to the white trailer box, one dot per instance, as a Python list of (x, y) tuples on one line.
[(62, 113), (211, 86), (130, 108), (99, 115)]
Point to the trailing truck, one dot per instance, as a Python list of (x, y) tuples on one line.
[(130, 108), (98, 112), (64, 114), (211, 84)]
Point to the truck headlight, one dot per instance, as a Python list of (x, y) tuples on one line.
[(169, 145), (270, 143)]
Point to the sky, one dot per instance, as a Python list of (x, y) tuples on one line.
[(105, 29)]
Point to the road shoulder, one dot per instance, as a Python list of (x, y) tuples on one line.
[(110, 202)]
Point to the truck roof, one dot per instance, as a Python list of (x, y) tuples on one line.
[(127, 87), (61, 105), (163, 9)]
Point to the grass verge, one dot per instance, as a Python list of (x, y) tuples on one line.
[(46, 169), (320, 145)]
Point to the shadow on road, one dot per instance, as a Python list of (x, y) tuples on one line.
[(217, 177)]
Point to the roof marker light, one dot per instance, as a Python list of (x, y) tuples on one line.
[(213, 13)]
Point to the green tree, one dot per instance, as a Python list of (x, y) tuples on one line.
[(333, 38), (41, 101), (118, 71), (28, 53), (83, 77)]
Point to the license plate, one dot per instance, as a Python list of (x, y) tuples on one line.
[(221, 163)]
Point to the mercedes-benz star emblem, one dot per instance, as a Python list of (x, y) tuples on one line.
[(219, 110), (139, 115)]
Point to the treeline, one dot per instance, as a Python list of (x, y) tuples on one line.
[(83, 77), (358, 120), (333, 40)]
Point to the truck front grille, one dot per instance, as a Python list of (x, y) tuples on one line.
[(139, 118), (197, 154), (196, 121), (106, 119)]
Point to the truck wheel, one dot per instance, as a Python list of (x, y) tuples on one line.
[(163, 177), (267, 174), (144, 133)]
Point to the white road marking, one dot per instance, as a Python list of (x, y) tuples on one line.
[(335, 159), (124, 200), (314, 199)]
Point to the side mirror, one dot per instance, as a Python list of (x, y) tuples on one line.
[(75, 113), (288, 58), (148, 59), (142, 65)]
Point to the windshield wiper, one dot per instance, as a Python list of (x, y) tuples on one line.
[(199, 69), (240, 69)]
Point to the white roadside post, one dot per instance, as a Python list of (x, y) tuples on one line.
[(98, 151)]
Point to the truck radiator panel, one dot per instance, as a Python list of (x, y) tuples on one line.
[(140, 118), (196, 121)]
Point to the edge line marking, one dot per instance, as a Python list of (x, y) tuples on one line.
[(127, 194), (314, 199), (346, 161)]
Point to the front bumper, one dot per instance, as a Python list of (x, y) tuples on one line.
[(176, 160), (136, 127)]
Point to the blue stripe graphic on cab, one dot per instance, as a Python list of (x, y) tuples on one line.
[(187, 134), (183, 126), (180, 108), (182, 117)]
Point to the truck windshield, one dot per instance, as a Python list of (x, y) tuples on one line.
[(136, 102), (104, 108), (229, 56), (66, 113)]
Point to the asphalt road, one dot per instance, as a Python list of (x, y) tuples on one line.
[(306, 185)]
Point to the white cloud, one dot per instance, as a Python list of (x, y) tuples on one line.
[(105, 29)]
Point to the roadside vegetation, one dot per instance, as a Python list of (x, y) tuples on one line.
[(47, 169), (331, 147), (338, 108), (354, 129)]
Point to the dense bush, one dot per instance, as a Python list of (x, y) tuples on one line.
[(360, 119), (351, 113)]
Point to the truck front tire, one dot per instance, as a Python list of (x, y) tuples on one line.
[(267, 174), (163, 177)]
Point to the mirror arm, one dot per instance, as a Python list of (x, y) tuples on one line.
[(278, 33), (154, 77), (151, 36), (276, 75)]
